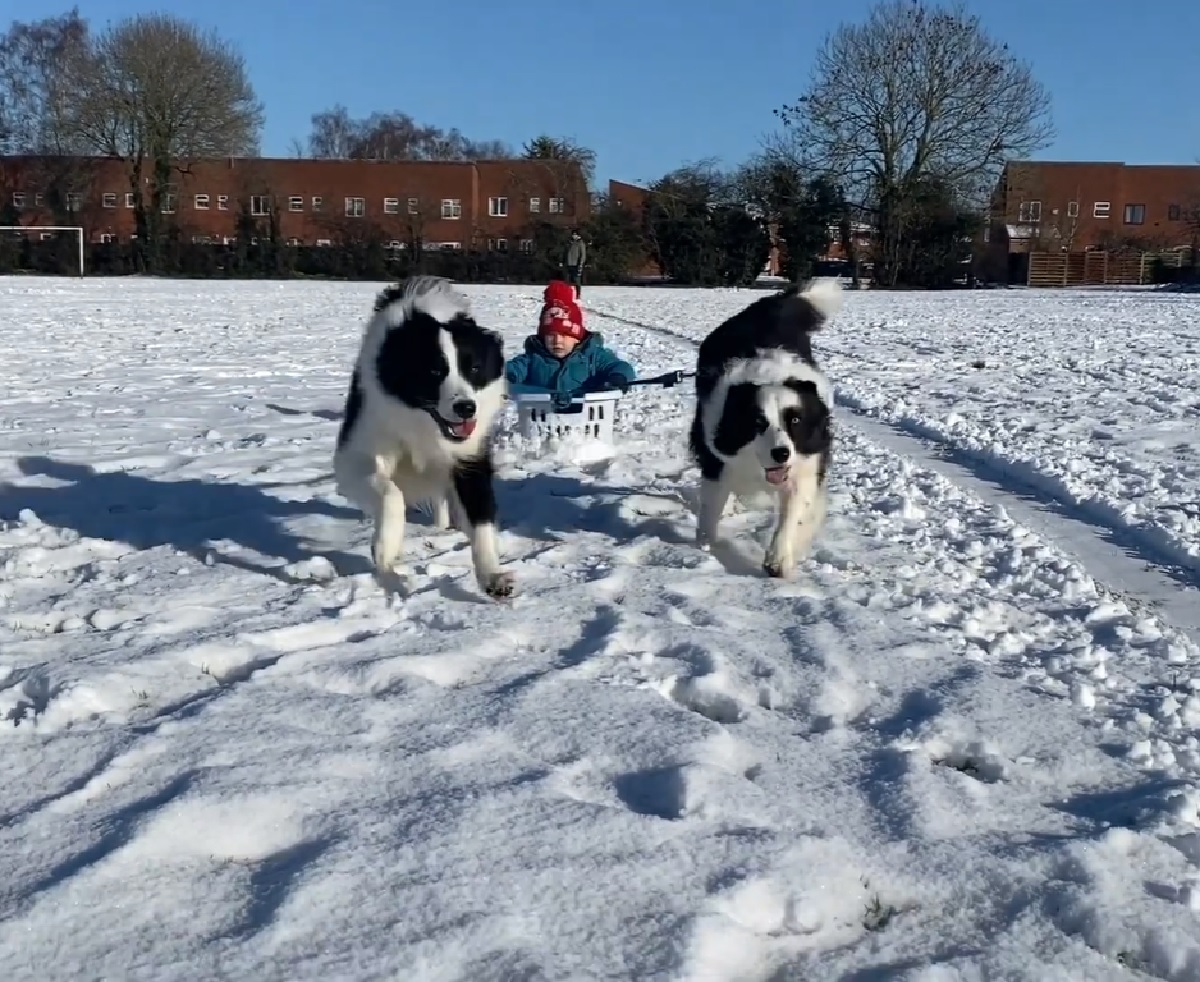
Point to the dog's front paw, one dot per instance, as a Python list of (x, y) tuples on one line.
[(498, 585), (778, 566)]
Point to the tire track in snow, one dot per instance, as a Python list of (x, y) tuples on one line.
[(1147, 576)]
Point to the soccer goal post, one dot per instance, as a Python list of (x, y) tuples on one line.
[(77, 229)]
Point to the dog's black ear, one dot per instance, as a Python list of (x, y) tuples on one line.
[(812, 431), (389, 296), (491, 356), (741, 419)]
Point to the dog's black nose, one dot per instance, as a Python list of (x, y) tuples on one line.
[(465, 408), (780, 455)]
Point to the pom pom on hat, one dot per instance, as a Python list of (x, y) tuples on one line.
[(559, 291)]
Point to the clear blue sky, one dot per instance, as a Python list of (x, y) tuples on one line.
[(650, 84)]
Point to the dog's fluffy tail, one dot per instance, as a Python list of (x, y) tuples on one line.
[(432, 295), (826, 295)]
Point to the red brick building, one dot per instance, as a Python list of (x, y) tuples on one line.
[(484, 204), (1077, 207)]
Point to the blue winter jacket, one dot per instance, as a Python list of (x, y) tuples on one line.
[(591, 367)]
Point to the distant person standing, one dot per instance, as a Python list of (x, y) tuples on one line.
[(576, 260)]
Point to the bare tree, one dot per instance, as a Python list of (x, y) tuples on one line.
[(546, 147), (157, 92), (336, 135), (915, 93), (31, 85)]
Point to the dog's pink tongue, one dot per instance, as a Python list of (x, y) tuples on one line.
[(776, 475), (463, 429)]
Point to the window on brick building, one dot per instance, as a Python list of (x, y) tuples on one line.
[(535, 205), (223, 202), (130, 199), (109, 199), (1135, 214), (1174, 213), (414, 206), (200, 202), (1101, 209), (1072, 209), (356, 207), (74, 201), (168, 204), (323, 242), (295, 203), (317, 203), (498, 207), (502, 245), (107, 238), (556, 206), (391, 206), (451, 207), (18, 199), (260, 204), (1030, 211), (526, 245)]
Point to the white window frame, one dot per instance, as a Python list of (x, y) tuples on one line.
[(222, 202), (557, 206), (498, 207), (130, 199), (1101, 209), (356, 207), (391, 206), (526, 245), (18, 199), (535, 206), (74, 201), (296, 202), (201, 202), (502, 245), (1030, 211), (414, 206), (451, 209), (1128, 211), (324, 242), (107, 238), (260, 205), (317, 202), (108, 199), (1072, 209), (168, 203)]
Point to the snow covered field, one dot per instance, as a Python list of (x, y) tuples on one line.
[(961, 745)]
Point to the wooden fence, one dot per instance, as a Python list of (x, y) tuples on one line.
[(1096, 268)]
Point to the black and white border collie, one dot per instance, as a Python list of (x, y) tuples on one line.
[(763, 418), (427, 386)]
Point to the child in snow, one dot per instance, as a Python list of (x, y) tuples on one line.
[(564, 358)]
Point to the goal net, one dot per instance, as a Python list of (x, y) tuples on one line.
[(48, 232)]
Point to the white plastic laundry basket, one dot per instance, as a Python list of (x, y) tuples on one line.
[(591, 415)]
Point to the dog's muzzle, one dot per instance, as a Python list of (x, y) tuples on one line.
[(460, 429)]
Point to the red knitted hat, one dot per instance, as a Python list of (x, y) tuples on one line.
[(560, 317)]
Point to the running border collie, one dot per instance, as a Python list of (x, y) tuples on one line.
[(763, 418), (424, 392)]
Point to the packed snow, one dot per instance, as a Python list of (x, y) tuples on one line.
[(962, 744)]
